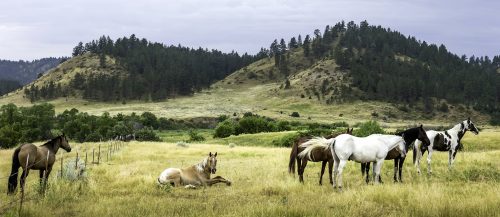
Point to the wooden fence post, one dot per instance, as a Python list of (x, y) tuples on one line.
[(99, 154)]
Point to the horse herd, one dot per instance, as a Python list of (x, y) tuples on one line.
[(338, 149), (335, 150)]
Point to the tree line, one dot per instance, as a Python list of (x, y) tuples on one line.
[(26, 71), (155, 71), (39, 122), (6, 86)]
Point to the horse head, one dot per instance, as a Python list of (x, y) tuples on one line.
[(422, 136), (63, 143), (468, 125), (212, 162)]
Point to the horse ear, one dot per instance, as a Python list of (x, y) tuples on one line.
[(210, 154), (421, 126), (215, 155)]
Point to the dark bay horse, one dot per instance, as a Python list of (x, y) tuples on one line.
[(317, 155), (409, 136), (37, 158)]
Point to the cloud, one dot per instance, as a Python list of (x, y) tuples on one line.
[(32, 29)]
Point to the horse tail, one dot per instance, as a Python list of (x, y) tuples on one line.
[(416, 152), (318, 142), (293, 155), (12, 184)]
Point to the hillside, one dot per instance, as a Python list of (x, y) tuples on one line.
[(347, 73), (26, 71)]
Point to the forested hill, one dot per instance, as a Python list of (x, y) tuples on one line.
[(150, 71), (348, 61), (26, 71)]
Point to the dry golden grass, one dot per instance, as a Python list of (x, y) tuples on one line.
[(126, 186)]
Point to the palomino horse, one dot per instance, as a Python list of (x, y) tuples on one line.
[(373, 148), (409, 136), (314, 155), (448, 140), (195, 175), (31, 157)]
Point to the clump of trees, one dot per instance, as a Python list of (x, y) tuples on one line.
[(38, 122), (248, 124)]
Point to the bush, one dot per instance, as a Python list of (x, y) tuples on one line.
[(195, 137), (295, 114), (146, 134), (93, 137), (368, 128), (252, 124), (443, 107), (225, 129), (9, 137)]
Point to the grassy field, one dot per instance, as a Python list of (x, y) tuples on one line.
[(126, 184)]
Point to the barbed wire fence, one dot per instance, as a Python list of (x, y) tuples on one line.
[(109, 148)]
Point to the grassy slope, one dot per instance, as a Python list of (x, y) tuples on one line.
[(125, 186)]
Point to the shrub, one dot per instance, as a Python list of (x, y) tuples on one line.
[(443, 107), (252, 124), (146, 134), (368, 128), (9, 137), (295, 114), (182, 144), (232, 145), (225, 129), (195, 137), (93, 137)]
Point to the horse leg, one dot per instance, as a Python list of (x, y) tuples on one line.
[(217, 179), (401, 161), (323, 165), (376, 170), (429, 158), (367, 172), (301, 170), (23, 177), (330, 168), (340, 169), (335, 171), (451, 158), (396, 164)]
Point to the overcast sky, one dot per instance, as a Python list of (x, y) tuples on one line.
[(31, 29)]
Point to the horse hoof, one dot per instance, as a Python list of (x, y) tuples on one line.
[(228, 183)]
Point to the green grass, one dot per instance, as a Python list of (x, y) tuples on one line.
[(125, 186)]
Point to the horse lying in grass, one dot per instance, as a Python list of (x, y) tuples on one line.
[(448, 140), (31, 157), (314, 155), (193, 176), (373, 148), (409, 136)]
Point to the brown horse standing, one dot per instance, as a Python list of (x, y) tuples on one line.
[(325, 156), (37, 158), (195, 175)]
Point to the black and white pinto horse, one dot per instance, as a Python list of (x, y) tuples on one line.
[(409, 136), (448, 140)]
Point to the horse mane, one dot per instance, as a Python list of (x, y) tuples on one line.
[(201, 165), (52, 141)]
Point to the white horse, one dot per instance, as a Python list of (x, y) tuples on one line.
[(448, 140), (373, 148)]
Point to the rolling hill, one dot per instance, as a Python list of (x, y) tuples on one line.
[(348, 72)]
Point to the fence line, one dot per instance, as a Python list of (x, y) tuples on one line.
[(111, 147)]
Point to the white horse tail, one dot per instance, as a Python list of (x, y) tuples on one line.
[(317, 142), (416, 152)]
